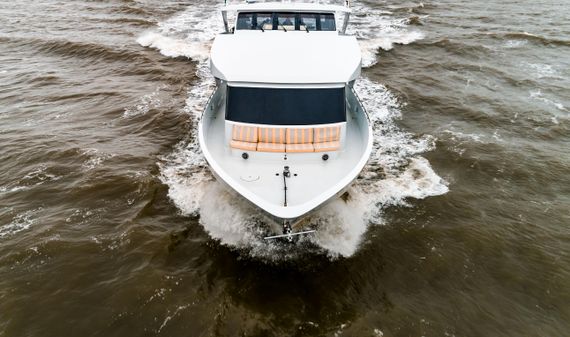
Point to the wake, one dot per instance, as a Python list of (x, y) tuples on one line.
[(395, 172)]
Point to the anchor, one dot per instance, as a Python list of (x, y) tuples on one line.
[(288, 233), (287, 230)]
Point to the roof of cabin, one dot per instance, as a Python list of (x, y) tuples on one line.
[(285, 6), (279, 57)]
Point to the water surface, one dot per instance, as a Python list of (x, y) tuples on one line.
[(112, 225)]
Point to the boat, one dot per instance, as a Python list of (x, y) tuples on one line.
[(284, 127)]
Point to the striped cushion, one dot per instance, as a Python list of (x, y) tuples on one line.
[(244, 133), (236, 144), (300, 147), (270, 147), (327, 146), (272, 135), (299, 136), (327, 134)]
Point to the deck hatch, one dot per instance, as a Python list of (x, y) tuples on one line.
[(286, 106)]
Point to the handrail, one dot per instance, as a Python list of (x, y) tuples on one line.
[(209, 101), (346, 3), (360, 103)]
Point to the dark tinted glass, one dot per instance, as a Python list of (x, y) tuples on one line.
[(308, 21), (245, 21), (265, 21), (327, 22), (286, 106), (255, 21), (286, 21)]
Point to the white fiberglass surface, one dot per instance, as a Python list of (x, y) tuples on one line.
[(310, 175), (282, 57), (289, 6)]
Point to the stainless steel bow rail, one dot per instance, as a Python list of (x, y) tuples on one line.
[(359, 101), (208, 104), (289, 236)]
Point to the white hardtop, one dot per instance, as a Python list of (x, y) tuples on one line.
[(278, 57), (285, 6)]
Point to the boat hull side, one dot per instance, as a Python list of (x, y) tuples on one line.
[(360, 116)]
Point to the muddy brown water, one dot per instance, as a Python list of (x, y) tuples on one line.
[(112, 225)]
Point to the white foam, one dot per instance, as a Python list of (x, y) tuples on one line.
[(173, 47), (95, 158), (378, 29), (169, 316), (418, 181), (515, 43), (184, 170), (227, 218), (36, 177), (378, 332), (370, 47), (392, 146), (6, 189), (147, 102), (458, 136), (342, 223), (187, 34), (539, 96), (20, 222), (541, 70), (396, 171)]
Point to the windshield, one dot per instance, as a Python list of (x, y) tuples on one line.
[(286, 106), (287, 21)]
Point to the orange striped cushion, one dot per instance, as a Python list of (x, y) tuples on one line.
[(236, 144), (299, 147), (244, 133), (272, 135), (299, 136), (327, 146), (327, 134), (270, 147)]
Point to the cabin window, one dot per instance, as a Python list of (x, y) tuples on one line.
[(245, 21), (327, 22), (249, 21), (264, 20), (286, 21), (308, 21), (286, 106)]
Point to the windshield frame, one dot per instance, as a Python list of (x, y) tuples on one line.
[(248, 20)]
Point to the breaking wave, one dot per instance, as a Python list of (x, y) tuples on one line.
[(377, 29), (533, 38), (396, 171), (74, 49)]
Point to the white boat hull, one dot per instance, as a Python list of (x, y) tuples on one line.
[(259, 179)]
